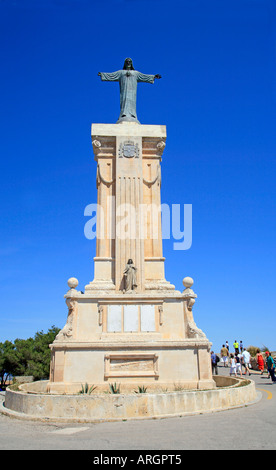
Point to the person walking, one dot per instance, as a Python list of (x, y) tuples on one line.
[(246, 361), (214, 361), (227, 345), (236, 346), (224, 352), (271, 367), (238, 358), (241, 347), (266, 357), (260, 361), (233, 365)]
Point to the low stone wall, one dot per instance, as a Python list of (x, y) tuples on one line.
[(222, 381), (23, 379), (104, 407), (35, 387)]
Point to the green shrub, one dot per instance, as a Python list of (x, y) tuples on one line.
[(142, 389), (252, 350), (114, 388), (86, 390)]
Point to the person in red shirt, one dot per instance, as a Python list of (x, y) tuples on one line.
[(260, 361)]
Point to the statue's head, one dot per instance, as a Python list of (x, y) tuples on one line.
[(128, 65), (130, 261)]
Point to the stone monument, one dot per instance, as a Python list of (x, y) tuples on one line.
[(131, 325)]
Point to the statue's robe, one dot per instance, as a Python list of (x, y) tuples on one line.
[(128, 80), (130, 277)]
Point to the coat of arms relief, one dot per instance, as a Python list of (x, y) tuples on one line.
[(129, 149)]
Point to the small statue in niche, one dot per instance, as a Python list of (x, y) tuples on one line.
[(130, 282)]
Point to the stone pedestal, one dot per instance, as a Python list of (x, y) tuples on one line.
[(146, 335)]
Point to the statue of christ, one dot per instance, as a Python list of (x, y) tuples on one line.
[(128, 79)]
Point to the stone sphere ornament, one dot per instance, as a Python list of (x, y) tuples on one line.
[(72, 283), (188, 282)]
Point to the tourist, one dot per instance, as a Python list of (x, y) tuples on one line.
[(271, 367), (241, 347), (224, 355), (260, 361), (266, 357), (227, 345), (214, 360), (233, 365), (238, 359), (246, 361), (236, 346)]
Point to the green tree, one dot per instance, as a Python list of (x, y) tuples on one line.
[(7, 361), (27, 356), (23, 355), (39, 363)]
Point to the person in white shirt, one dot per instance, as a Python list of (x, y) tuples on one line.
[(246, 360), (233, 365)]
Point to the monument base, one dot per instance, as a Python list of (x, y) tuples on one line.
[(31, 402), (130, 339)]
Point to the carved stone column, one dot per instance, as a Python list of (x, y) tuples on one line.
[(104, 263), (128, 159)]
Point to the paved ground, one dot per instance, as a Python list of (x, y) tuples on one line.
[(248, 428)]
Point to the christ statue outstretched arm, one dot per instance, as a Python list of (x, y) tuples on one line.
[(128, 78)]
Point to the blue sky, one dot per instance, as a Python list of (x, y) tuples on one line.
[(217, 97)]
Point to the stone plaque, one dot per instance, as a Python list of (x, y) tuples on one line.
[(131, 365), (114, 318), (125, 364), (130, 318), (147, 318)]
